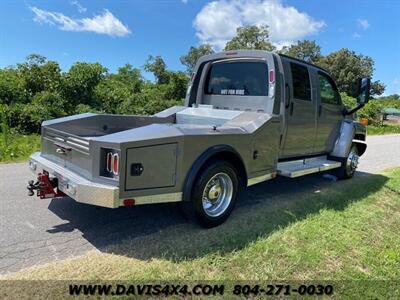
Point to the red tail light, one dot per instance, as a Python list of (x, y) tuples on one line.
[(129, 202), (115, 163), (109, 166), (271, 76)]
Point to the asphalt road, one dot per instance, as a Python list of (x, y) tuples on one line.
[(34, 232)]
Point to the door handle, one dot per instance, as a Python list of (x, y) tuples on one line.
[(61, 149), (287, 100), (319, 110), (291, 108)]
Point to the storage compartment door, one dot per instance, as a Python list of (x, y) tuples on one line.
[(151, 167)]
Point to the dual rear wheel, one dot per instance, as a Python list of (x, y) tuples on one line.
[(214, 194)]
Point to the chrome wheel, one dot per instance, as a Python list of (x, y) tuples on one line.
[(352, 161), (217, 194)]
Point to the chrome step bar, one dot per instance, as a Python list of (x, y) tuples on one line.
[(297, 168)]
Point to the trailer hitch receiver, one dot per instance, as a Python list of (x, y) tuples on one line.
[(45, 186)]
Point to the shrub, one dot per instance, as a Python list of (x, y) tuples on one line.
[(4, 124), (19, 147), (372, 110), (84, 108), (27, 118), (12, 89)]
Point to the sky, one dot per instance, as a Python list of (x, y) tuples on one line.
[(117, 32)]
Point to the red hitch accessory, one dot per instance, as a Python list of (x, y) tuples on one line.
[(46, 187)]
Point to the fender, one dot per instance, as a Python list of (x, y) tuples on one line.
[(348, 130), (201, 160)]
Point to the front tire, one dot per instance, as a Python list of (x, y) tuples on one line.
[(349, 164), (214, 194)]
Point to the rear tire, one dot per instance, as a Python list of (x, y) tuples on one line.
[(213, 194), (349, 164)]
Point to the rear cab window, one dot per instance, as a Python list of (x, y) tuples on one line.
[(237, 78), (301, 82)]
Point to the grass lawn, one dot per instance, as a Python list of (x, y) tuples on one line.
[(18, 147), (382, 129), (346, 233)]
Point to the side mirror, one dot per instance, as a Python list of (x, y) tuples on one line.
[(364, 87)]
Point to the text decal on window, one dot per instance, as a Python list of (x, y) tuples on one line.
[(232, 92)]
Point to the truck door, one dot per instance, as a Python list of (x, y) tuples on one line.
[(300, 112), (329, 113)]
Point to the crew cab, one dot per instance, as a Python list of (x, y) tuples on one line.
[(249, 116)]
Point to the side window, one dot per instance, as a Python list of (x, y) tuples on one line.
[(328, 90), (301, 82), (237, 78)]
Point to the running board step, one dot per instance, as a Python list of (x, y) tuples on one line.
[(297, 168)]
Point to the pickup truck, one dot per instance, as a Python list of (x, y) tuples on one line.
[(249, 116)]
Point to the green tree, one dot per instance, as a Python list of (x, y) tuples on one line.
[(250, 37), (177, 85), (347, 67), (377, 88), (26, 118), (79, 84), (52, 102), (39, 74), (130, 76), (189, 60), (114, 89), (110, 93), (305, 50), (12, 87), (157, 66)]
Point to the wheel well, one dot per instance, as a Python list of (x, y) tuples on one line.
[(359, 136), (361, 147), (220, 152), (234, 160)]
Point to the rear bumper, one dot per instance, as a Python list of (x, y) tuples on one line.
[(75, 186), (85, 191)]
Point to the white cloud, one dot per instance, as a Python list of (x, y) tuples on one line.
[(356, 35), (216, 23), (184, 1), (79, 6), (104, 23), (363, 23), (280, 44)]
